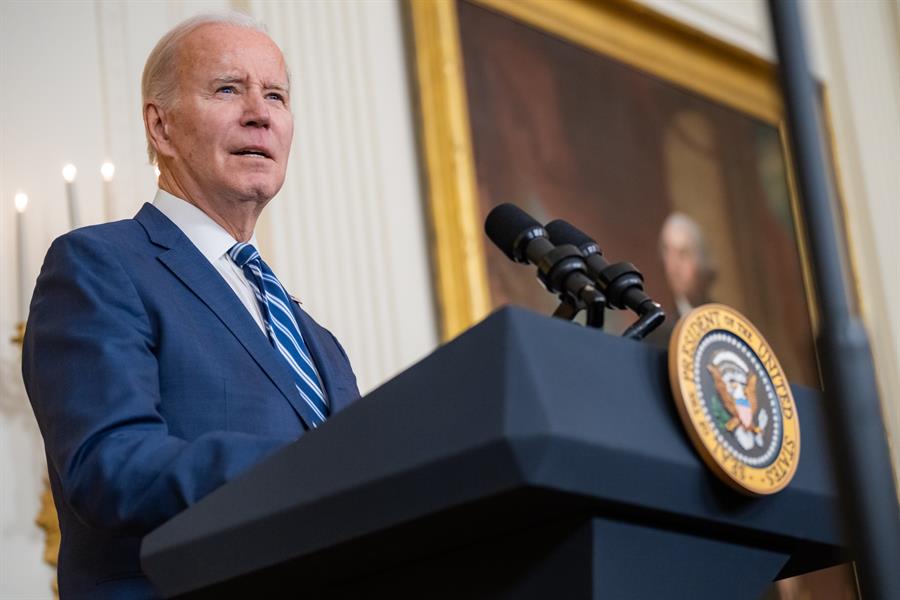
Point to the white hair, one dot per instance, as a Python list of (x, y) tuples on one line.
[(679, 220), (159, 82)]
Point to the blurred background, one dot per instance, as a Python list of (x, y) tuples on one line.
[(688, 180)]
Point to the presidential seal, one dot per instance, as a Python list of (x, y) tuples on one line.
[(734, 400)]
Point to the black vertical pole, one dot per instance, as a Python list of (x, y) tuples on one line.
[(856, 428)]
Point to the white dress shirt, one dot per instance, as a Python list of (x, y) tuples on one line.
[(213, 242)]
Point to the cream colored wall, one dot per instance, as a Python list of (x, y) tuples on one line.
[(855, 50)]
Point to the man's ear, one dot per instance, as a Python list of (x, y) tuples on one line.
[(156, 123)]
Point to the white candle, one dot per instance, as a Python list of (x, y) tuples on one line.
[(21, 201), (69, 171), (107, 171)]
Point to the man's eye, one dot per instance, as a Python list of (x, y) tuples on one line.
[(275, 96), (226, 89)]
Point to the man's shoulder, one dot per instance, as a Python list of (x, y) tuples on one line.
[(116, 236), (125, 230), (124, 243)]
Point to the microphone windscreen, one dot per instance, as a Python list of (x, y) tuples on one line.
[(505, 224), (562, 232)]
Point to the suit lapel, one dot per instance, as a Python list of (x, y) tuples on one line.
[(187, 263), (313, 336)]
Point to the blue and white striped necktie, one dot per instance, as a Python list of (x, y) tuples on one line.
[(284, 333)]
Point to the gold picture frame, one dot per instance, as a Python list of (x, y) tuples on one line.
[(625, 31)]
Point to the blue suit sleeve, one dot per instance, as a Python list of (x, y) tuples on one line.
[(92, 377)]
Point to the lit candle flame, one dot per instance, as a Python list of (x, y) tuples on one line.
[(107, 170), (69, 172), (21, 201)]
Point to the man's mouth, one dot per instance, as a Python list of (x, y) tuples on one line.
[(252, 151)]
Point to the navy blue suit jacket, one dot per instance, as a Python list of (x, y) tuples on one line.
[(152, 386)]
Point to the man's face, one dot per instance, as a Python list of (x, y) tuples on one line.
[(682, 262), (231, 126)]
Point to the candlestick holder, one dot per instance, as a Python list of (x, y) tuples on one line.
[(19, 336), (47, 518)]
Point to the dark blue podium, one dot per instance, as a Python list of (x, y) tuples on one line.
[(528, 458)]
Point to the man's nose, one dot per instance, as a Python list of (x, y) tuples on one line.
[(256, 111)]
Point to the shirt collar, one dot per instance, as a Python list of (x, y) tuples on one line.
[(208, 236)]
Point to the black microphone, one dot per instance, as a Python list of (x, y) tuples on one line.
[(517, 234), (561, 269), (621, 282), (560, 230)]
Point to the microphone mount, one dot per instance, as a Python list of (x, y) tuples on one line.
[(564, 268), (621, 283)]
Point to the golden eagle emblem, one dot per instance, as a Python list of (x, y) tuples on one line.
[(739, 401), (736, 386)]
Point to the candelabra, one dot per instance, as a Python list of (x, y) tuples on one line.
[(46, 519)]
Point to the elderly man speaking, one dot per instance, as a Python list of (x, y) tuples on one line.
[(162, 356)]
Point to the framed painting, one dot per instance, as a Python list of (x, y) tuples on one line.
[(665, 145)]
